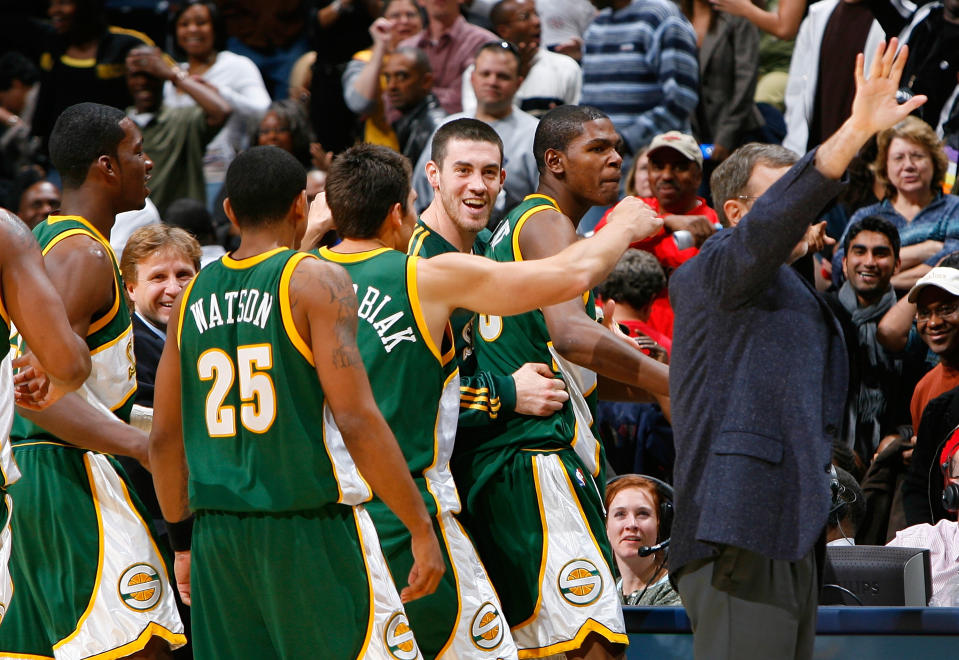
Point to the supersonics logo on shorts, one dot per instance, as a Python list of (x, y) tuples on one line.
[(140, 587), (399, 638), (487, 629), (580, 582)]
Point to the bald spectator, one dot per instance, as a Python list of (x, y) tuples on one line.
[(450, 44), (549, 79), (409, 85)]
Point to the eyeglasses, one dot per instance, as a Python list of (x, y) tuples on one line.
[(941, 311), (502, 45), (746, 198)]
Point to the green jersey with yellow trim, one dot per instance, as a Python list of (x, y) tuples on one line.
[(415, 383), (113, 376), (504, 344), (483, 395), (257, 431)]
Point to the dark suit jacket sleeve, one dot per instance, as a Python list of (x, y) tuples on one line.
[(739, 264)]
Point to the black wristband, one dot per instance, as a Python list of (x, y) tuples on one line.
[(180, 534)]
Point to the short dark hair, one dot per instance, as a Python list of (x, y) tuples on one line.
[(363, 184), (876, 224), (499, 14), (950, 261), (14, 66), (191, 215), (463, 129), (421, 63), (216, 20), (730, 179), (81, 134), (635, 280), (501, 46), (262, 183), (294, 114), (560, 126)]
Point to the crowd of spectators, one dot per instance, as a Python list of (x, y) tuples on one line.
[(685, 84)]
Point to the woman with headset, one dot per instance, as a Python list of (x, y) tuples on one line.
[(639, 513)]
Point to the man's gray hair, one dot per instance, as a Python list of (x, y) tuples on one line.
[(731, 178)]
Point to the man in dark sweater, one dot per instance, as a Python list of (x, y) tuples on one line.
[(759, 368)]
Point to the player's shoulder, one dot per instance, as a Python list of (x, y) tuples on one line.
[(15, 236)]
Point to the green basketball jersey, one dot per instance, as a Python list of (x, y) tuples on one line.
[(415, 383), (504, 344), (257, 431), (113, 377)]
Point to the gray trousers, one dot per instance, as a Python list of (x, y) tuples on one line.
[(743, 605)]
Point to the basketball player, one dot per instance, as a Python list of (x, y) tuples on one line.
[(262, 392), (450, 225), (90, 579), (407, 345), (29, 300), (529, 472)]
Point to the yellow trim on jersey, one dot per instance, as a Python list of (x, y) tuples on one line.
[(542, 561), (420, 233), (413, 289), (26, 656), (591, 626), (286, 311), (78, 62), (371, 620), (94, 233), (152, 630), (249, 262), (17, 445), (127, 332), (350, 257), (542, 196), (3, 313), (456, 582), (517, 252), (183, 301), (99, 577), (132, 33), (436, 452), (126, 398)]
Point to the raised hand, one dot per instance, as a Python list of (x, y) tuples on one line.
[(874, 107), (641, 218)]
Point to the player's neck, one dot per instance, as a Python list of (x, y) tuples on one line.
[(355, 245), (256, 242), (570, 205), (95, 209), (438, 220)]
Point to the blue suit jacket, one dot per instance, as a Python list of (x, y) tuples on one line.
[(758, 379)]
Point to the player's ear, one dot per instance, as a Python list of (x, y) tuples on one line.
[(105, 166), (228, 209), (554, 161), (433, 174)]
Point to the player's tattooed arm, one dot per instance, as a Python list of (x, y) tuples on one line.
[(316, 283)]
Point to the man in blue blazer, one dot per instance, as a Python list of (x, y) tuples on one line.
[(758, 385)]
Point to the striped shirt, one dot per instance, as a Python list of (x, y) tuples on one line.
[(942, 540), (640, 66)]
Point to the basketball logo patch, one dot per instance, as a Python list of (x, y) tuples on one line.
[(140, 587), (580, 582), (487, 629), (399, 638)]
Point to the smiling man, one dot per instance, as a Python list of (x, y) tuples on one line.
[(495, 80), (881, 381)]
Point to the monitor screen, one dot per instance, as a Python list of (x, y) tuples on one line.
[(876, 575)]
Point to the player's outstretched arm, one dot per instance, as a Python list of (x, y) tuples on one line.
[(324, 307), (39, 315), (874, 108), (575, 335), (503, 289)]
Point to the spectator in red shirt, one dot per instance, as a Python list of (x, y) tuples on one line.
[(634, 284), (675, 172)]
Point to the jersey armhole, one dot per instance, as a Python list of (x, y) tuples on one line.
[(183, 302), (517, 252), (411, 286), (286, 311)]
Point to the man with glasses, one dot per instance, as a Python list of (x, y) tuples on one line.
[(759, 380), (495, 79)]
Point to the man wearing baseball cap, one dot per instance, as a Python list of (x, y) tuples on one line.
[(675, 172)]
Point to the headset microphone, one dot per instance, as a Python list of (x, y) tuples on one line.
[(647, 550)]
